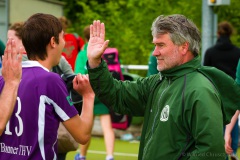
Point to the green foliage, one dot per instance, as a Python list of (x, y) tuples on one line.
[(128, 22)]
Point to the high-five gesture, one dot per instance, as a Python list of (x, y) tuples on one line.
[(96, 44)]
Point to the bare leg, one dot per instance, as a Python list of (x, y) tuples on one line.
[(84, 148), (108, 132)]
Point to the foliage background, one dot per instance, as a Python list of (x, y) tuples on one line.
[(128, 22)]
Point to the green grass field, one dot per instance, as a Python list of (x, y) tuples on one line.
[(123, 150)]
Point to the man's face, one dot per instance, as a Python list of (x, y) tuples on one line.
[(18, 42), (166, 52), (60, 46)]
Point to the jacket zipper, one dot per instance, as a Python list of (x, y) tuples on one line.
[(146, 147)]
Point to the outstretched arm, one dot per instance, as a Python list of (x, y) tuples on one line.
[(227, 135), (12, 73), (80, 127), (96, 44)]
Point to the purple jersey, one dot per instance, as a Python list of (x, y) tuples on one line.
[(42, 103)]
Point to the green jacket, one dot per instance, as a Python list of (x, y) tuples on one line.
[(183, 109)]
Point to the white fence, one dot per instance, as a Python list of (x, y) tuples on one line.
[(134, 67)]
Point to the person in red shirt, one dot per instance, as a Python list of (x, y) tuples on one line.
[(73, 43)]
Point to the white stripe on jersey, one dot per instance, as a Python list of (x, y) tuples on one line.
[(41, 120)]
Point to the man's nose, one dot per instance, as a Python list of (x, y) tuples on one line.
[(155, 52)]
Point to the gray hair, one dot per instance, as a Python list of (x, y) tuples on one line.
[(180, 29)]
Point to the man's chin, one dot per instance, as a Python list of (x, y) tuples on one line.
[(161, 69)]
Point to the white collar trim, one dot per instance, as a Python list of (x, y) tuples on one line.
[(27, 64)]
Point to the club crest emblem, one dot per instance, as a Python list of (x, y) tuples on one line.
[(69, 100), (165, 113)]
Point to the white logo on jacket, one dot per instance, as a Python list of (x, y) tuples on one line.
[(165, 113)]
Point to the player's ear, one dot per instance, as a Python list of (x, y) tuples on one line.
[(52, 42)]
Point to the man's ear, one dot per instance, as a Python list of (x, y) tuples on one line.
[(52, 42), (184, 47)]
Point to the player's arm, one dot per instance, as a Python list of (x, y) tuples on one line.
[(65, 66), (12, 73), (80, 127)]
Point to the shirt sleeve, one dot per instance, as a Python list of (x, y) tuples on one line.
[(62, 103), (65, 66)]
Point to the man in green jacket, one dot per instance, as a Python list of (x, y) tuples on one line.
[(184, 106)]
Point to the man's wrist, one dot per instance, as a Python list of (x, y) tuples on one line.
[(93, 63), (12, 83)]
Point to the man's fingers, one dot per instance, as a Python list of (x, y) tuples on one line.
[(98, 28), (75, 80), (13, 54), (229, 151), (7, 49), (19, 56), (105, 45), (91, 31), (94, 28), (102, 33), (81, 78)]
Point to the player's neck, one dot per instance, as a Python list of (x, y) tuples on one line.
[(46, 64)]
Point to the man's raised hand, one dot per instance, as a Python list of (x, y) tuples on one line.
[(96, 44), (12, 63)]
